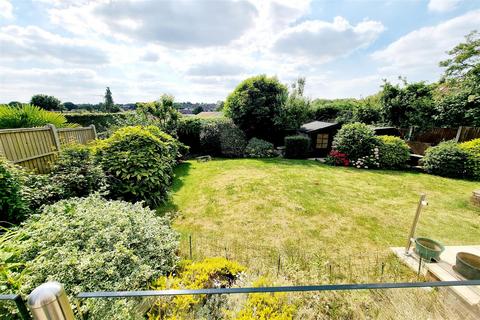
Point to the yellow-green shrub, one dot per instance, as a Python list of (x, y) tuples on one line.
[(272, 306), (209, 273)]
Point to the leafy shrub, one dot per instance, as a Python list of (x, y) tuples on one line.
[(138, 163), (266, 305), (102, 121), (255, 105), (232, 140), (472, 146), (13, 206), (76, 174), (297, 147), (356, 140), (394, 152), (258, 148), (448, 160), (210, 138), (39, 190), (209, 273), (221, 137), (188, 132), (92, 244), (28, 116)]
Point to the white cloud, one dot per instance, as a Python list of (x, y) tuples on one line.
[(37, 44), (216, 68), (6, 9), (179, 24), (419, 52), (67, 84), (443, 5), (323, 41)]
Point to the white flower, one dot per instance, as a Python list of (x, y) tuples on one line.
[(366, 167), (358, 167)]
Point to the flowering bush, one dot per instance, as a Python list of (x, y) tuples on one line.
[(337, 158), (369, 161), (274, 306), (209, 273)]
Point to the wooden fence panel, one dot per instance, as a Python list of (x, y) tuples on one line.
[(37, 148), (76, 135), (468, 133)]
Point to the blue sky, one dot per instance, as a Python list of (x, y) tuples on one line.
[(199, 50)]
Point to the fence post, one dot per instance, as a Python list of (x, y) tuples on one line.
[(459, 134), (49, 301), (55, 136), (94, 131)]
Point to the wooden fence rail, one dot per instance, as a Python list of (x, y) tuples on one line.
[(37, 148)]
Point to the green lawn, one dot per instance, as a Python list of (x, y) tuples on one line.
[(302, 205), (315, 216)]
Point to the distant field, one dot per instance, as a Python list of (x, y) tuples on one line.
[(327, 224)]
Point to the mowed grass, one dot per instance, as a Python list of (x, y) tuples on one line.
[(291, 207)]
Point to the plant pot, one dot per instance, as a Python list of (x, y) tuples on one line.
[(428, 249), (468, 265)]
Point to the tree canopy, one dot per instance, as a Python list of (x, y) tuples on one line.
[(255, 104), (46, 102)]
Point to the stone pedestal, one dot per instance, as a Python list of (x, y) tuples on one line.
[(476, 197)]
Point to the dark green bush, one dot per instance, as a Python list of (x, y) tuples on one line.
[(448, 160), (258, 148), (394, 152), (188, 132), (210, 139), (102, 121), (356, 140), (76, 174), (13, 206), (297, 147), (92, 244), (138, 162), (232, 140)]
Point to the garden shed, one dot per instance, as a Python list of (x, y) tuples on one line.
[(321, 135)]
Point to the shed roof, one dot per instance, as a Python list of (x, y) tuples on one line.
[(316, 125)]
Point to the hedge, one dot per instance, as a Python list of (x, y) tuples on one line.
[(297, 147)]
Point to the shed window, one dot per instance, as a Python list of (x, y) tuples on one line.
[(322, 141)]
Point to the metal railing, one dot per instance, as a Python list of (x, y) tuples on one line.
[(17, 299), (165, 293), (328, 287)]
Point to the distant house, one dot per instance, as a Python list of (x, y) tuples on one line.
[(321, 135)]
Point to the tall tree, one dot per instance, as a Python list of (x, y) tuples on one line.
[(464, 63), (458, 95), (108, 101), (255, 104), (408, 105)]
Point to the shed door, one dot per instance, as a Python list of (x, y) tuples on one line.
[(322, 141)]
